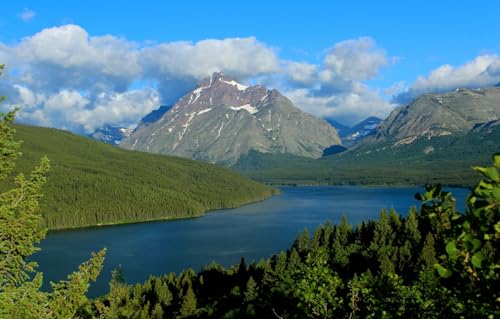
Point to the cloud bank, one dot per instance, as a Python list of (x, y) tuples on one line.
[(64, 77), (337, 88)]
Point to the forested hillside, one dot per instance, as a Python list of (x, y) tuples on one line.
[(434, 263), (91, 183), (444, 159)]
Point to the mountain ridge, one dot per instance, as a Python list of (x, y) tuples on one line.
[(443, 114)]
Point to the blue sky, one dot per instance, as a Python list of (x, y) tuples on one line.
[(397, 42)]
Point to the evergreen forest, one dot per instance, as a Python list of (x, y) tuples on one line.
[(92, 183)]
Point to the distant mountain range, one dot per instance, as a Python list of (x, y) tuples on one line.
[(436, 138), (435, 115), (221, 120), (111, 134), (262, 134), (354, 134)]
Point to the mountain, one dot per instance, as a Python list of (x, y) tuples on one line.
[(487, 128), (92, 183), (352, 135), (361, 130), (435, 139), (342, 129), (111, 134), (221, 119), (434, 115), (155, 115)]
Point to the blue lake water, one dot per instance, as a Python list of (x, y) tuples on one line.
[(253, 231)]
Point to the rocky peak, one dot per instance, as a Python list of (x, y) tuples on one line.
[(433, 115), (218, 90), (221, 119)]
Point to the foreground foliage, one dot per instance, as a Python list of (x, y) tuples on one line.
[(92, 183), (20, 231), (433, 263)]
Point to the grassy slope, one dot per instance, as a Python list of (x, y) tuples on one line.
[(449, 163), (91, 183)]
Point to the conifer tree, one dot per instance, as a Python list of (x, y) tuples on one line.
[(251, 290), (157, 312), (20, 231), (188, 306)]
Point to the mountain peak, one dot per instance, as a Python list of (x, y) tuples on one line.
[(220, 79), (222, 119), (443, 114)]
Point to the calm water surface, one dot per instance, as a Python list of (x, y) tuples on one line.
[(253, 231)]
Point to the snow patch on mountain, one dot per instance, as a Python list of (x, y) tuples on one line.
[(204, 111), (239, 86), (247, 107)]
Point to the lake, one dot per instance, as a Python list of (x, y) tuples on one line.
[(253, 231)]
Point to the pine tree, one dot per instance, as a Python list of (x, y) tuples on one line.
[(188, 306), (20, 232), (157, 312), (251, 290), (162, 292)]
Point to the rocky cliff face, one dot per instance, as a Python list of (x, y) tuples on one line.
[(221, 119), (433, 115)]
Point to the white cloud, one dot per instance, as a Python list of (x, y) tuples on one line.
[(239, 57), (336, 88), (69, 109), (482, 71), (302, 74), (27, 15), (177, 66), (64, 77), (357, 59), (348, 107), (73, 59), (126, 108)]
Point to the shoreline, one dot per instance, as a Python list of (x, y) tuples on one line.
[(274, 192)]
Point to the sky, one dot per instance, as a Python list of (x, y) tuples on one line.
[(79, 65)]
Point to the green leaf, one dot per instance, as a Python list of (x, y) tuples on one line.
[(443, 272), (496, 160), (451, 250), (490, 172), (476, 244), (496, 193), (497, 227), (477, 259), (472, 200)]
